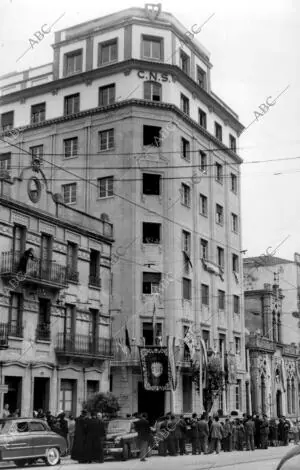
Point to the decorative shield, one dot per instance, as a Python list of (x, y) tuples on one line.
[(152, 10), (155, 368)]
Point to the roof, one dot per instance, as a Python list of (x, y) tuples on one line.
[(266, 260)]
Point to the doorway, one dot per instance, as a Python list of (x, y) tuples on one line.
[(152, 403), (41, 394), (14, 395), (279, 403)]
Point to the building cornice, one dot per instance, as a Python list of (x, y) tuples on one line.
[(119, 67)]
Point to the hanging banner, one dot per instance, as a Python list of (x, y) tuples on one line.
[(171, 353), (231, 369), (156, 370), (190, 341)]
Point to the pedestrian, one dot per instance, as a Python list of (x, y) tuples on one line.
[(240, 435), (16, 413), (203, 432), (172, 437), (249, 433), (71, 433), (62, 426), (216, 435), (80, 438), (194, 434), (28, 254), (272, 432), (102, 435), (234, 435), (144, 435), (286, 430), (264, 432), (6, 412), (257, 439), (182, 427), (226, 435), (162, 434)]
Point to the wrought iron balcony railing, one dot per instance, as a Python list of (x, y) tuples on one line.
[(68, 344), (72, 275), (95, 281), (43, 332), (3, 335), (15, 329), (38, 271)]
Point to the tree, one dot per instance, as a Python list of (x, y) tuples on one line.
[(215, 382), (103, 402)]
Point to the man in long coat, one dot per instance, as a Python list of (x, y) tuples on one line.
[(80, 438)]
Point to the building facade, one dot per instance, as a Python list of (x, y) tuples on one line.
[(55, 331), (127, 109), (272, 327)]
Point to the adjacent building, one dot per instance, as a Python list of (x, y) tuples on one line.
[(55, 331), (125, 122), (272, 326)]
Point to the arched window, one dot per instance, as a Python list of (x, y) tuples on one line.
[(263, 393), (293, 395), (152, 91)]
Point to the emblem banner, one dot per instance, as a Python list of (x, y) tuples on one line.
[(156, 371)]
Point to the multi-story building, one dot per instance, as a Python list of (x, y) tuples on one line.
[(128, 124), (55, 331), (272, 327)]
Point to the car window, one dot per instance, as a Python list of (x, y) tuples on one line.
[(36, 426), (4, 426), (22, 427)]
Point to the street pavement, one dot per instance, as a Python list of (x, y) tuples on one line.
[(256, 460)]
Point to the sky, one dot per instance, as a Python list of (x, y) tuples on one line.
[(254, 51)]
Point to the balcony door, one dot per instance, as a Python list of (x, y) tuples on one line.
[(93, 329), (46, 255), (69, 328), (19, 243), (43, 331)]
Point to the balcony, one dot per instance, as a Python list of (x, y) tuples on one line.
[(43, 332), (183, 358), (3, 335), (15, 330), (40, 272), (69, 345), (122, 356), (290, 349), (95, 281), (72, 276), (260, 343)]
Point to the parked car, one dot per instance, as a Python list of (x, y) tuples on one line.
[(25, 440), (291, 460), (122, 439)]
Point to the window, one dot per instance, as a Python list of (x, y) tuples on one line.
[(73, 62), (151, 184), (151, 135), (106, 139), (152, 48), (203, 161), (202, 118), (206, 338), (69, 193), (7, 120), (106, 187), (151, 233), (186, 288), (147, 332), (71, 104), (67, 396), (203, 205), (238, 395), (5, 165), (46, 249), (184, 104), (220, 257), (219, 173), (186, 241), (234, 223), (92, 387), (94, 277), (235, 263), (237, 342), (185, 195), (19, 239), (222, 342), (232, 142), (219, 214), (201, 78), (37, 152), (43, 329), (151, 282), (22, 426), (15, 314), (221, 300), (233, 179), (203, 249), (107, 95), (184, 62), (185, 149), (38, 113), (218, 131), (236, 304), (152, 91), (204, 294), (108, 52), (70, 147), (72, 254)]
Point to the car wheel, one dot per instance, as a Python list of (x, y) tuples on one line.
[(125, 453), (52, 456), (20, 463)]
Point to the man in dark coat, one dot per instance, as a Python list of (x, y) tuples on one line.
[(80, 438), (102, 434), (257, 439), (28, 254), (286, 429), (264, 432), (203, 431), (249, 433), (194, 434), (182, 429), (144, 435), (172, 438)]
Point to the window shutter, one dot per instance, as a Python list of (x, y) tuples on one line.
[(147, 91)]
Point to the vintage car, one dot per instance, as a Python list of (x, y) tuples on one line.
[(121, 439), (291, 461), (25, 440)]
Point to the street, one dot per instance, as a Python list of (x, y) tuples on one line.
[(257, 460)]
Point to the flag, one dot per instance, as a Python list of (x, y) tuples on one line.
[(171, 354), (127, 340), (189, 340), (154, 321), (187, 259)]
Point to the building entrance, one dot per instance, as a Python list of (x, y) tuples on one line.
[(41, 394), (152, 403), (14, 395)]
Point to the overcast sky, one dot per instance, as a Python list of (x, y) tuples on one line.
[(254, 46)]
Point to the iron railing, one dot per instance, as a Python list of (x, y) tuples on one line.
[(72, 275), (43, 332), (3, 335), (36, 269), (95, 281), (82, 345), (15, 329)]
